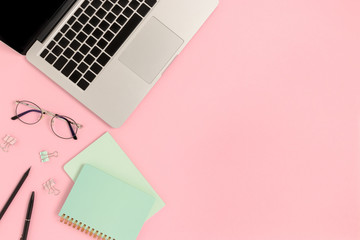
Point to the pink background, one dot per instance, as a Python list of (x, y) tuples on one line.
[(252, 133)]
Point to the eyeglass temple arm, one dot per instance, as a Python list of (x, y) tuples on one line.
[(23, 113), (71, 129)]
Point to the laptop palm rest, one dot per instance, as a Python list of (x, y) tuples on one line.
[(150, 51)]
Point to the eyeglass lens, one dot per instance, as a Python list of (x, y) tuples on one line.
[(28, 112), (64, 127)]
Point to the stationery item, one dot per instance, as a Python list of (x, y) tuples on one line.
[(8, 141), (45, 156), (106, 155), (49, 186), (28, 217), (7, 204), (105, 207), (62, 126)]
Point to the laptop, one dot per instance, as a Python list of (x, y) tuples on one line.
[(107, 54)]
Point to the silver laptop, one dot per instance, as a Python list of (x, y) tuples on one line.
[(108, 54)]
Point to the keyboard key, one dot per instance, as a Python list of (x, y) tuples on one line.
[(50, 58), (68, 53), (96, 3), (108, 36), (75, 76), (121, 20), (64, 28), (100, 13), (84, 49), (89, 76), (84, 4), (83, 18), (70, 66), (110, 17), (83, 84), (90, 10), (75, 45), (123, 3), (71, 20), (78, 12), (51, 45), (81, 37), (91, 41), (103, 59), (123, 34), (97, 33), (127, 12), (134, 4), (89, 59), (96, 68), (64, 42), (59, 64), (70, 34), (116, 9), (44, 53), (57, 37), (76, 26), (94, 21), (115, 27), (143, 10), (107, 5), (82, 67), (88, 29), (95, 51), (151, 3), (104, 25), (102, 43), (57, 50), (78, 57)]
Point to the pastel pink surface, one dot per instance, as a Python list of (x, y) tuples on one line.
[(252, 133)]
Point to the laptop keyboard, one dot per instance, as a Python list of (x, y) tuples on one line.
[(92, 36)]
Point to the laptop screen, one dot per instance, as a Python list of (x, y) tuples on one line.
[(22, 20)]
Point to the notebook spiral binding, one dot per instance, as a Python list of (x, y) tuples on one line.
[(83, 228)]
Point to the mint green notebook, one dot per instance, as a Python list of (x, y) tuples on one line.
[(100, 205), (106, 155)]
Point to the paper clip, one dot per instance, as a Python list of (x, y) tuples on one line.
[(8, 141), (49, 185), (45, 156)]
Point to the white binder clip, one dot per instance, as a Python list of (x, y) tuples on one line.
[(8, 141), (45, 156), (49, 185)]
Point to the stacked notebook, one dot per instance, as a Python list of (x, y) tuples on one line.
[(110, 198)]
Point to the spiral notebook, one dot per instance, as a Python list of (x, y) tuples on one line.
[(106, 155), (105, 207)]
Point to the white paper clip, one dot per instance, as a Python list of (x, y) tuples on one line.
[(49, 185), (8, 141), (45, 156)]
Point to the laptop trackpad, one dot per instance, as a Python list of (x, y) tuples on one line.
[(151, 50)]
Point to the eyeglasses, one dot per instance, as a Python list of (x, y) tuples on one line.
[(30, 113)]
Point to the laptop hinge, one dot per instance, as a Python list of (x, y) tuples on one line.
[(55, 19)]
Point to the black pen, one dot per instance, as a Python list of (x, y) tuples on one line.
[(14, 193), (28, 217)]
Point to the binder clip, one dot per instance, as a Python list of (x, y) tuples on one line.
[(49, 185), (45, 156), (8, 141)]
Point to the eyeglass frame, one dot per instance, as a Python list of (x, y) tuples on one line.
[(46, 112)]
